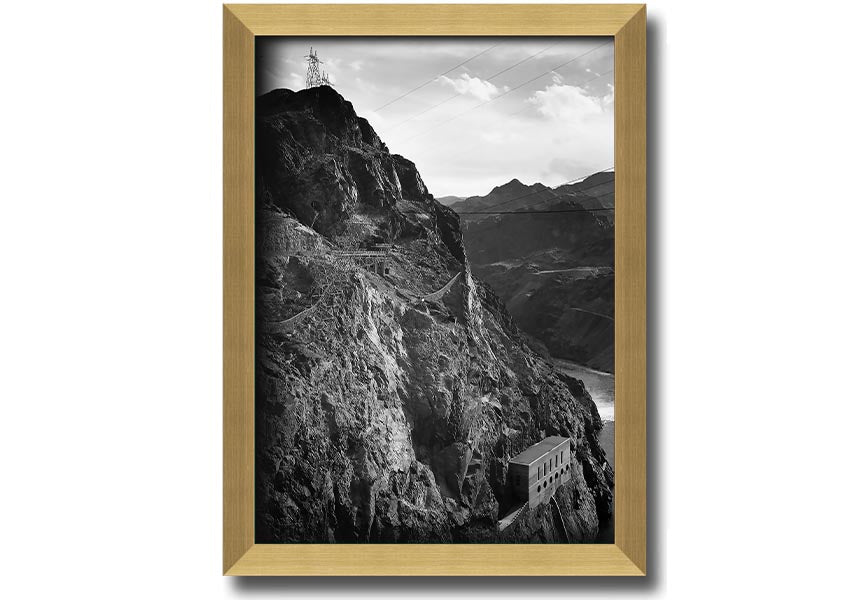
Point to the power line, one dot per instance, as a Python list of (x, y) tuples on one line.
[(535, 212), (564, 197), (556, 197), (478, 229), (491, 77), (464, 149), (498, 223), (545, 200), (524, 60), (419, 87), (583, 177), (533, 79)]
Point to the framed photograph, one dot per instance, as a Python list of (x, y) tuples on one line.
[(434, 290)]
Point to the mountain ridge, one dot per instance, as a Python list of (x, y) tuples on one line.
[(449, 200), (594, 192)]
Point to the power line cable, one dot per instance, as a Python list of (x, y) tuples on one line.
[(537, 212), (581, 85), (491, 77), (419, 87), (464, 149), (533, 79), (545, 200), (556, 197), (478, 230), (498, 222)]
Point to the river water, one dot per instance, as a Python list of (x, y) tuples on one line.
[(601, 388), (598, 383)]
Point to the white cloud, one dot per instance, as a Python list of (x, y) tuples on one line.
[(295, 81), (566, 103), (365, 86), (472, 86), (357, 65), (486, 148), (493, 137)]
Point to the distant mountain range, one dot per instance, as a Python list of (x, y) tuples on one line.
[(554, 272), (449, 200), (599, 187), (510, 196), (594, 192)]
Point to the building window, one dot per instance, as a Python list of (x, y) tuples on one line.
[(545, 469), (544, 485), (562, 456), (538, 489), (539, 475)]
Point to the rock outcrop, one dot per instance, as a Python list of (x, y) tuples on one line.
[(385, 412)]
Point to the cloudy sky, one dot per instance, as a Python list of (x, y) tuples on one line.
[(472, 113)]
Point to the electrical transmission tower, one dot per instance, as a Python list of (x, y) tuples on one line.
[(315, 77)]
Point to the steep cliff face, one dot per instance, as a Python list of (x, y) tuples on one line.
[(389, 400), (570, 309)]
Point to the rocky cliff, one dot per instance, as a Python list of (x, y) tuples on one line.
[(391, 392)]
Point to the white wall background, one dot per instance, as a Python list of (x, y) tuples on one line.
[(110, 308)]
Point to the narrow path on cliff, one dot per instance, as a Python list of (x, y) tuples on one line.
[(509, 519), (434, 296), (291, 322)]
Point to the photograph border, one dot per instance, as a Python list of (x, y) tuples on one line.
[(627, 24)]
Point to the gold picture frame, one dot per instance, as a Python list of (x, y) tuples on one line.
[(627, 24)]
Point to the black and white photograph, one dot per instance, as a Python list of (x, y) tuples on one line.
[(315, 301), (434, 290)]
